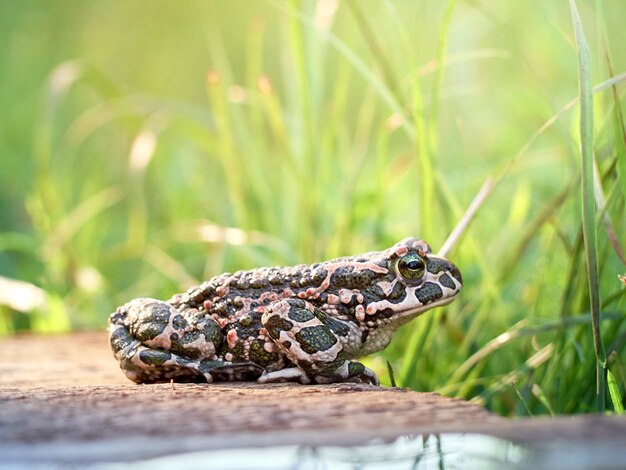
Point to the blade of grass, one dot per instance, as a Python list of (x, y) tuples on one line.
[(467, 218), (169, 267), (588, 199), (520, 330), (532, 229), (538, 392), (359, 65), (424, 142), (602, 209), (521, 399), (442, 48), (414, 349), (530, 365), (616, 398), (377, 51), (618, 118), (392, 377), (75, 219), (611, 82), (424, 168)]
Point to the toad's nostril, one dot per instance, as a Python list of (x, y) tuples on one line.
[(456, 273)]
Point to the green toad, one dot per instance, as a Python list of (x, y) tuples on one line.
[(303, 323)]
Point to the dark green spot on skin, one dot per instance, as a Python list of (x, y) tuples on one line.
[(180, 347), (436, 265), (300, 315), (332, 365), (318, 277), (208, 366), (183, 361), (178, 322), (120, 339), (238, 351), (397, 294), (275, 324), (260, 356), (152, 320), (373, 293), (445, 281), (286, 344), (154, 357), (428, 293), (213, 333), (148, 331), (315, 338), (363, 279), (190, 337), (338, 327), (159, 312), (355, 369), (341, 278)]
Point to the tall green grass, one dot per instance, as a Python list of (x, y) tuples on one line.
[(589, 200), (227, 135)]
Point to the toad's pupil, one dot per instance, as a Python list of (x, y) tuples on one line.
[(414, 265)]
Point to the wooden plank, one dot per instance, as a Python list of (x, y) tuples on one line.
[(64, 399)]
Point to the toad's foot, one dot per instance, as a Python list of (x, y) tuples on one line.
[(291, 374)]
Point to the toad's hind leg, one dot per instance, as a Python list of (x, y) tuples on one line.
[(154, 342), (313, 341)]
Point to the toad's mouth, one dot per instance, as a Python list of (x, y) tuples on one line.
[(428, 306)]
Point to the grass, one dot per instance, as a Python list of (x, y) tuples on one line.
[(222, 136), (589, 200)]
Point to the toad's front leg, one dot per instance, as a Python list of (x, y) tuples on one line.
[(313, 341)]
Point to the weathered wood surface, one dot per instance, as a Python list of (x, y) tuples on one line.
[(64, 398)]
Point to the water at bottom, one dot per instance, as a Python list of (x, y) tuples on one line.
[(435, 451)]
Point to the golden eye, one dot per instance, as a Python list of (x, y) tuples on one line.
[(411, 266)]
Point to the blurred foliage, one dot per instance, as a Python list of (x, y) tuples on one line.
[(147, 145)]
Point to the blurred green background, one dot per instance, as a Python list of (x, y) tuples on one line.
[(148, 145)]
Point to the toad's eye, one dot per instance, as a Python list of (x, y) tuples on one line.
[(412, 266)]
